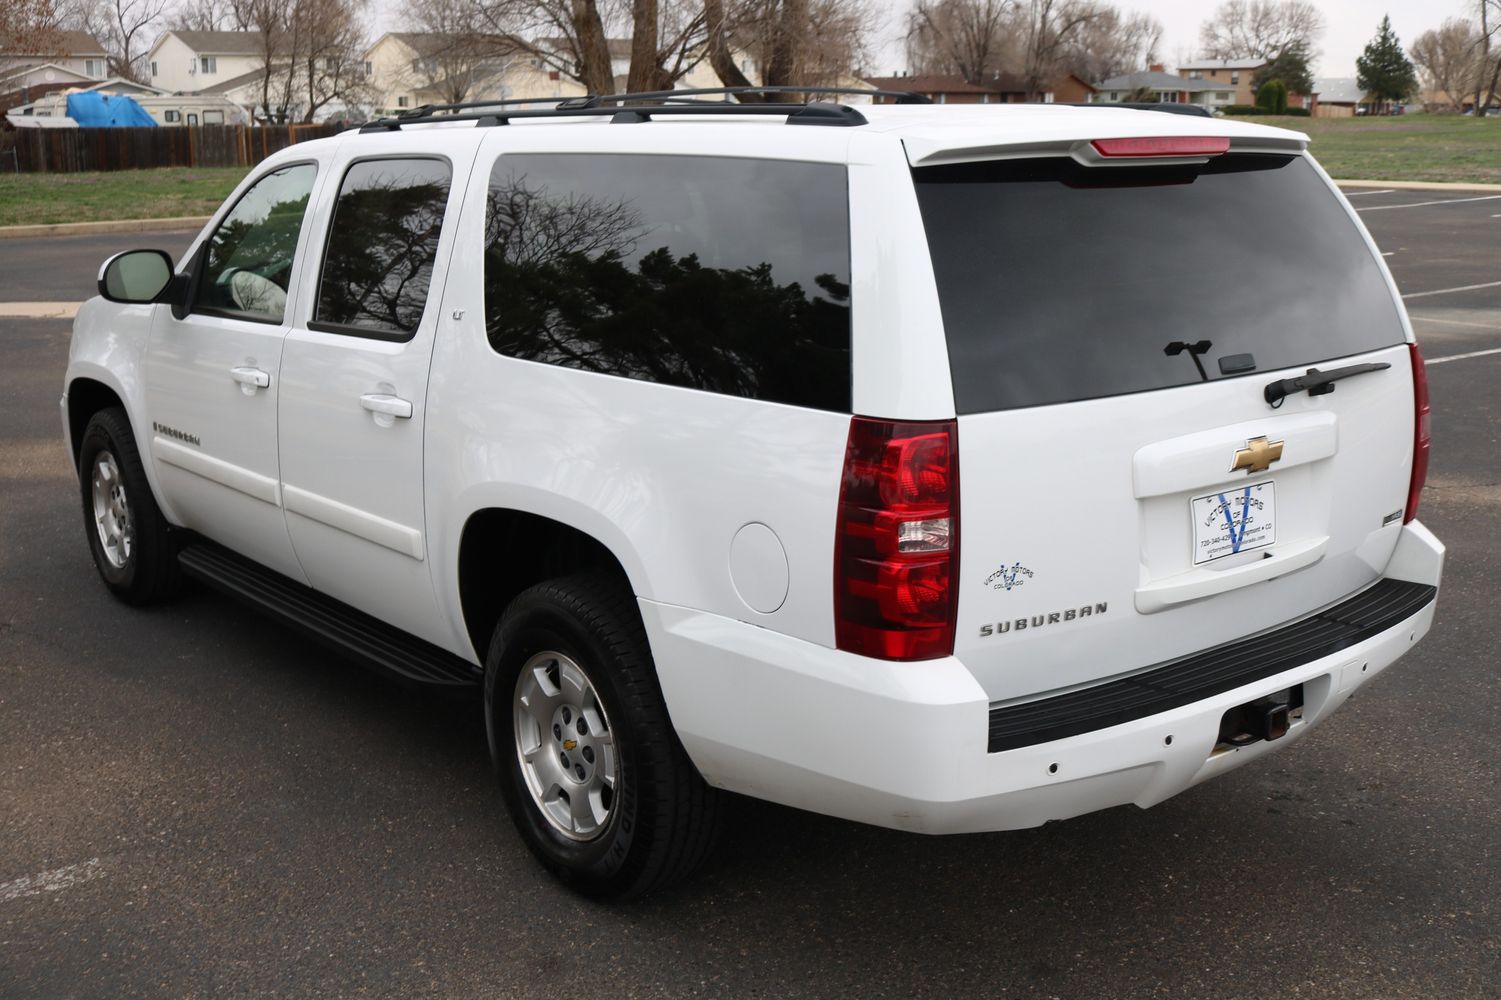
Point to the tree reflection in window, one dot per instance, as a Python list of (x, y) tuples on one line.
[(382, 244), (248, 262), (726, 275)]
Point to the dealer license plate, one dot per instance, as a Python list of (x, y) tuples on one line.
[(1234, 520)]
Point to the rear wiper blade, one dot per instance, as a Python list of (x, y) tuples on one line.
[(1317, 383)]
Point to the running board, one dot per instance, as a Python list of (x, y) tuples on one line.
[(370, 641)]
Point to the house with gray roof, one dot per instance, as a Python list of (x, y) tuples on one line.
[(189, 62), (1158, 86)]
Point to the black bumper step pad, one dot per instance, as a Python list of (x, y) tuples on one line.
[(1206, 674)]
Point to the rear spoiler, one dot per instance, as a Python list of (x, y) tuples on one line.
[(1193, 110)]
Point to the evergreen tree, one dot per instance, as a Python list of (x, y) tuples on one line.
[(1383, 70), (1291, 67)]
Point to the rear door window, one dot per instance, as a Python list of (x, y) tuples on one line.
[(1060, 282), (382, 244), (726, 275)]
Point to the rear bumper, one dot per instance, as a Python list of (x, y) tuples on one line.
[(905, 745)]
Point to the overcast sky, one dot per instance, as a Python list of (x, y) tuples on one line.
[(1349, 25)]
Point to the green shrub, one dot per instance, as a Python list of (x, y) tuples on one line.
[(1299, 112), (1241, 109), (1272, 97)]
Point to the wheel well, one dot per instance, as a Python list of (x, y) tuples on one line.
[(86, 397), (503, 552)]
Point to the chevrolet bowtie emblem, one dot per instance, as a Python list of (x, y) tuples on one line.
[(570, 744), (1257, 456)]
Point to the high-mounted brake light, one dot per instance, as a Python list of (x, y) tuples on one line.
[(1166, 145), (896, 548), (1421, 437)]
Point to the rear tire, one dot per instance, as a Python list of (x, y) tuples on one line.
[(590, 767), (131, 542)]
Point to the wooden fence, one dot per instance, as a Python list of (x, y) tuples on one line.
[(69, 150)]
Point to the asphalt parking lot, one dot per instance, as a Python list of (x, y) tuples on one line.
[(195, 801)]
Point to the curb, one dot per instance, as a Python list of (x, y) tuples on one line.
[(181, 222), (1422, 186)]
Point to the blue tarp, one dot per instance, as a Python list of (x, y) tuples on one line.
[(106, 111)]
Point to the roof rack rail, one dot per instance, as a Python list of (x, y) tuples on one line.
[(639, 107)]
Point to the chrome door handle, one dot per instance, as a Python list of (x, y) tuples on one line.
[(387, 404), (246, 375)]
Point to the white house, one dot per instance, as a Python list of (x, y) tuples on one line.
[(407, 69), (194, 61), (74, 51)]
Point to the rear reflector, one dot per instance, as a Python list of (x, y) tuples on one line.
[(1421, 438), (1166, 145), (896, 547)]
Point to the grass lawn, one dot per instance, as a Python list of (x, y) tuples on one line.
[(1404, 147), (26, 199)]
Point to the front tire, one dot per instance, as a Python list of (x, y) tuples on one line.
[(590, 767), (130, 540)]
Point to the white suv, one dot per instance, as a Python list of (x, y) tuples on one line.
[(947, 469)]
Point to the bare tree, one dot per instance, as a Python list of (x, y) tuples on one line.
[(1488, 61), (455, 58), (1051, 28), (211, 15), (309, 54), (812, 42), (119, 25), (1259, 29), (1112, 44), (565, 35), (1447, 55), (31, 27), (970, 38), (718, 28), (328, 67)]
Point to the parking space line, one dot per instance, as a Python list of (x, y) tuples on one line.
[(1461, 357), (1455, 322), (39, 310), (1424, 204), (1446, 291), (1362, 194), (53, 881)]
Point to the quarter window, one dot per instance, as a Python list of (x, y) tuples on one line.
[(382, 244), (725, 275), (248, 262)]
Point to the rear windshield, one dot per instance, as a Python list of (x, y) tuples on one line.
[(1060, 282)]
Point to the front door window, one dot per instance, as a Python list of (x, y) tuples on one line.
[(248, 265)]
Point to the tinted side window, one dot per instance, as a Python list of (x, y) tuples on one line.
[(1060, 282), (248, 262), (727, 275), (381, 246)]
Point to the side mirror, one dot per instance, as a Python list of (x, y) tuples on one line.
[(136, 276)]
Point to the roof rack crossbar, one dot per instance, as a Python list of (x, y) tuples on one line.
[(643, 106)]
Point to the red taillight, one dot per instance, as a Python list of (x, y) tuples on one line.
[(1166, 145), (896, 549), (1420, 438)]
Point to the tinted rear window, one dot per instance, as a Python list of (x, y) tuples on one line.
[(1060, 282), (382, 244), (726, 275)]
